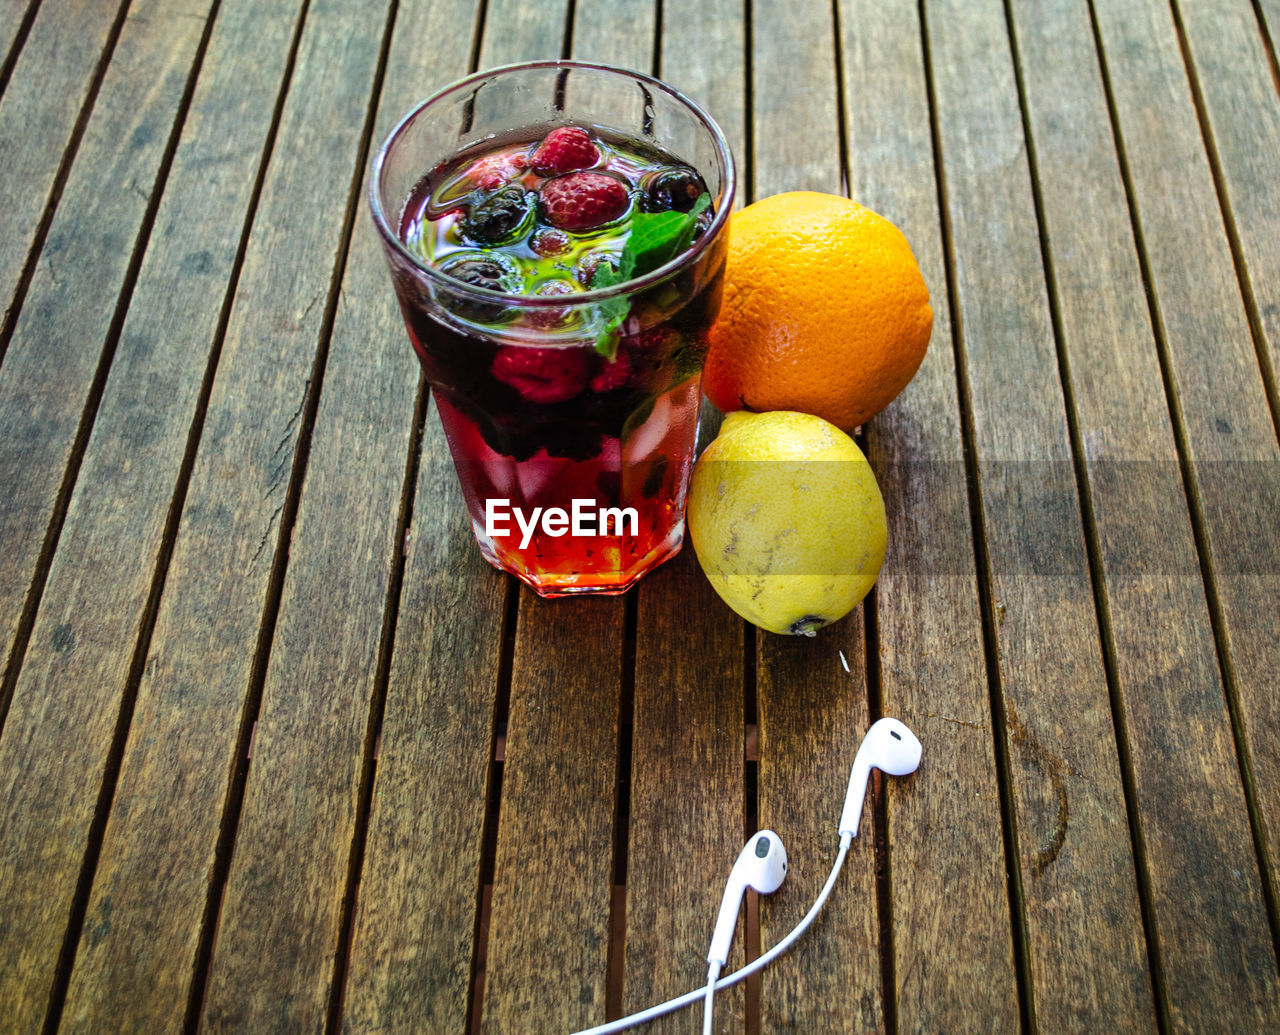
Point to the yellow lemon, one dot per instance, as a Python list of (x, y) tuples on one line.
[(787, 520)]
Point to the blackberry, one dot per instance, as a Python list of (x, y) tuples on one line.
[(498, 217), (482, 271), (674, 190)]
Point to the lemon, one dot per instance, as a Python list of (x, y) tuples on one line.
[(787, 520)]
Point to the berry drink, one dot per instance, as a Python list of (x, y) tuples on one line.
[(558, 281)]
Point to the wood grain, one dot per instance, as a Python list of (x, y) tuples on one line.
[(553, 871), (553, 875), (1234, 77), (64, 46), (686, 775), (12, 15), (66, 702), (268, 903), (202, 552), (59, 337), (615, 34), (189, 704), (811, 710), (519, 31), (1230, 440), (127, 482), (687, 790), (714, 72), (1075, 866), (1193, 816), (951, 900), (794, 104), (412, 949)]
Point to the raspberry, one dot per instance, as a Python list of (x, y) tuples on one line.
[(551, 317), (542, 375), (565, 150), (496, 170), (612, 375), (583, 200), (547, 242)]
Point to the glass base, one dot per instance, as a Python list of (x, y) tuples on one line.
[(608, 582)]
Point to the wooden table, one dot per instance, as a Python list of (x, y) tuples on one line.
[(281, 753)]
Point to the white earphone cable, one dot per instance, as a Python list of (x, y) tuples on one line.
[(709, 998), (644, 1016)]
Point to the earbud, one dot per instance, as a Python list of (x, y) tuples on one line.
[(888, 746), (762, 865)]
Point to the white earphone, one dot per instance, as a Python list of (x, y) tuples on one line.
[(888, 746), (762, 865)]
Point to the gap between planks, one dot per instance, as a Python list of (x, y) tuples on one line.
[(1194, 499), (64, 167), (986, 594), (288, 514), (1091, 537)]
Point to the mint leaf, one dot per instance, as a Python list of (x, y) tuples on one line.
[(655, 239), (658, 237), (610, 313)]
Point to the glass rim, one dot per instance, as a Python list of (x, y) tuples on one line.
[(591, 295)]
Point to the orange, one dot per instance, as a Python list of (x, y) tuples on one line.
[(824, 311)]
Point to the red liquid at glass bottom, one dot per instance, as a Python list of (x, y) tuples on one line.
[(630, 500)]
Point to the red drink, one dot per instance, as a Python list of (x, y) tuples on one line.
[(563, 336)]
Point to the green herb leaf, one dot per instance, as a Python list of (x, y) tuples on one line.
[(610, 313), (655, 239)]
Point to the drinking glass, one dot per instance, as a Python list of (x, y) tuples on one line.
[(579, 486)]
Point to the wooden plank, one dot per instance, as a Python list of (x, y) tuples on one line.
[(553, 872), (811, 714), (223, 558), (1229, 437), (134, 961), (615, 34), (64, 46), (794, 105), (423, 855), (515, 30), (58, 734), (1234, 80), (412, 954), (714, 72), (1193, 815), (687, 790), (686, 780), (57, 341), (932, 672), (1269, 24), (1243, 109), (810, 709), (1075, 869), (189, 706), (13, 15)]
